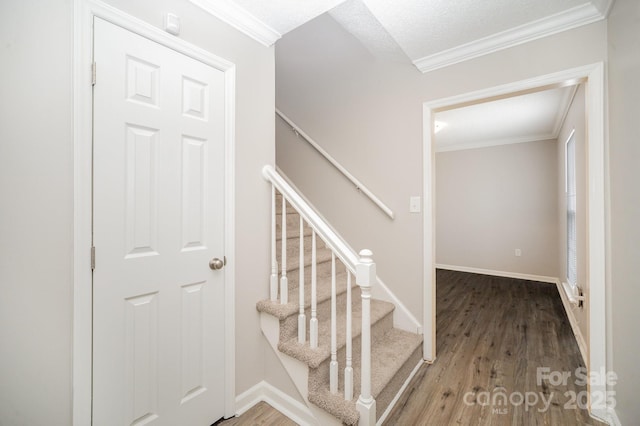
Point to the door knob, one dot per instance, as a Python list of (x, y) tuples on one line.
[(216, 263)]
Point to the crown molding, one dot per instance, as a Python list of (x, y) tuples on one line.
[(563, 21), (563, 111), (229, 12), (604, 6), (497, 142)]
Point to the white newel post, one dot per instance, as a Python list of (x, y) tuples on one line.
[(365, 278), (273, 288)]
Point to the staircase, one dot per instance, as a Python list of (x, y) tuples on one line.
[(317, 328)]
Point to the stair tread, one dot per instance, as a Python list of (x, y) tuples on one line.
[(293, 245), (392, 349), (323, 254), (389, 353), (293, 226), (323, 293), (290, 208), (314, 357)]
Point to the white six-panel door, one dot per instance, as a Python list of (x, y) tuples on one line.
[(158, 326)]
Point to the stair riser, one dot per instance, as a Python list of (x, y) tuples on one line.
[(290, 209), (378, 328), (323, 254), (393, 353), (323, 275), (289, 326), (293, 245), (384, 398), (319, 375), (323, 292), (293, 226)]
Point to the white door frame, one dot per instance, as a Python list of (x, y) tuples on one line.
[(594, 77), (84, 12)]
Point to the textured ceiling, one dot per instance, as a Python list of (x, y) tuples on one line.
[(431, 33), (355, 17), (424, 28), (286, 15), (526, 118)]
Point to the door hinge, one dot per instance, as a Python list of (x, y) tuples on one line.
[(93, 258), (93, 73)]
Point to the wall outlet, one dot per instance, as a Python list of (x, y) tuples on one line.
[(518, 252), (414, 204)]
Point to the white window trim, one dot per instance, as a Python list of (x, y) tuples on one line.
[(573, 283)]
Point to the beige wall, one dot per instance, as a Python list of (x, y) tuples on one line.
[(367, 113), (36, 217), (491, 201), (36, 186), (624, 157), (575, 119)]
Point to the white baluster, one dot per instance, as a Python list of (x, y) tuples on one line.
[(302, 320), (284, 285), (365, 278), (333, 366), (348, 370), (313, 323), (273, 288)]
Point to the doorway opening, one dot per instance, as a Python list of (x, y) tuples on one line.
[(593, 78)]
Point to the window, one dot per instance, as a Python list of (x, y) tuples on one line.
[(570, 188)]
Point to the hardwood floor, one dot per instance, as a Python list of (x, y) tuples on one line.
[(493, 334), (260, 414)]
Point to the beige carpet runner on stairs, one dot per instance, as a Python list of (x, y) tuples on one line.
[(394, 352)]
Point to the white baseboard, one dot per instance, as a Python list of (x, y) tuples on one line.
[(606, 415), (613, 417), (517, 275), (264, 392), (582, 344), (402, 317)]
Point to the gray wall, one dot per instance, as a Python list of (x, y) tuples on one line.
[(624, 154), (575, 119), (491, 201), (36, 186), (367, 113)]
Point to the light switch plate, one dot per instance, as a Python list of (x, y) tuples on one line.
[(414, 204)]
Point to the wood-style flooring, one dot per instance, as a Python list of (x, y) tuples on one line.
[(260, 414), (492, 336)]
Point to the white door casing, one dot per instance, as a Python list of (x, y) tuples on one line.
[(159, 157), (594, 77)]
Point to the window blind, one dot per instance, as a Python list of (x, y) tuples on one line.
[(572, 249)]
